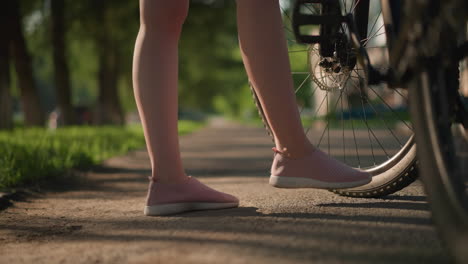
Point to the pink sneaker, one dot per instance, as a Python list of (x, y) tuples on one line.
[(173, 198), (316, 170)]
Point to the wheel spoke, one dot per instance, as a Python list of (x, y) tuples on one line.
[(352, 9), (328, 124), (375, 22), (312, 95), (286, 14), (317, 110), (290, 31), (328, 127), (302, 84), (355, 143), (367, 125), (373, 36), (292, 51), (385, 123), (398, 92), (363, 98), (391, 109)]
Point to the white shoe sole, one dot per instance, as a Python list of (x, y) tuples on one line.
[(299, 182), (175, 208)]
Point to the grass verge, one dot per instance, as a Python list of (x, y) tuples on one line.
[(32, 156)]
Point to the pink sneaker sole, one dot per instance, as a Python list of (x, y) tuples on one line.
[(300, 182), (175, 208)]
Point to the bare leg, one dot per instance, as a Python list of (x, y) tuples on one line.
[(155, 76), (264, 51)]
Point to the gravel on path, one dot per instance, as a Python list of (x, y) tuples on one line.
[(100, 219)]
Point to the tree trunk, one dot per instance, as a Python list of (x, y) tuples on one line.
[(61, 70), (108, 109), (6, 113), (33, 114)]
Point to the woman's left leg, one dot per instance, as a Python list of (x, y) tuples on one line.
[(155, 75)]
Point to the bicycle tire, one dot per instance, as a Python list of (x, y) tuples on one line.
[(446, 211), (433, 106)]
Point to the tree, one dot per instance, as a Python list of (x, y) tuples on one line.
[(6, 121), (33, 114), (61, 70), (108, 109)]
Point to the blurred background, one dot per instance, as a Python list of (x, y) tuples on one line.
[(66, 97), (67, 62)]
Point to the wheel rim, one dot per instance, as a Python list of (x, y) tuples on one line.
[(363, 126)]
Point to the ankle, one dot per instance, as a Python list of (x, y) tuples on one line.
[(169, 180), (294, 152)]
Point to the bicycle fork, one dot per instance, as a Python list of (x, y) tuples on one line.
[(330, 20)]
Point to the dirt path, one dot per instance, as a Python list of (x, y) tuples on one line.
[(100, 220)]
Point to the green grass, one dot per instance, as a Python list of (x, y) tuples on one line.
[(32, 156)]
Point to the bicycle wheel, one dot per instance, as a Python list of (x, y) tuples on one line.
[(439, 112), (364, 126)]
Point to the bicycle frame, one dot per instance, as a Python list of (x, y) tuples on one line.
[(391, 13)]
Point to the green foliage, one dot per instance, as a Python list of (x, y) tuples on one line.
[(210, 61), (35, 155), (211, 71), (237, 103)]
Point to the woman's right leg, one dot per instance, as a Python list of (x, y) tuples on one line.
[(155, 76)]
